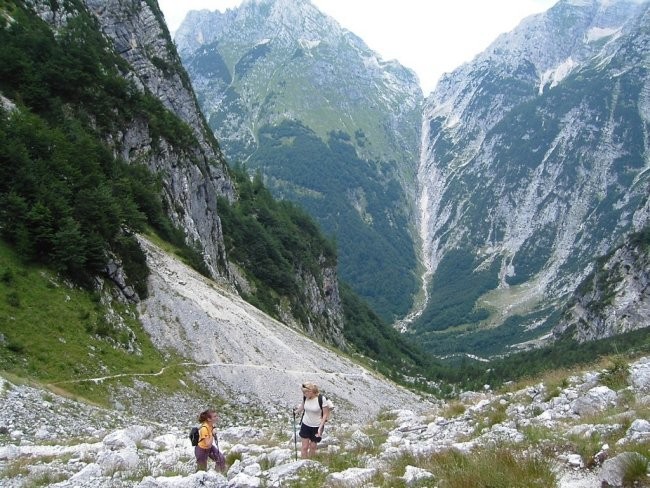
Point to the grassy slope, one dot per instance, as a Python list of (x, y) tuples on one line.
[(54, 333)]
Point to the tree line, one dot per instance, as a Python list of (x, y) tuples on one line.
[(65, 199)]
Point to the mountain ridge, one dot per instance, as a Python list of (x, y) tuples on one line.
[(504, 160), (328, 125)]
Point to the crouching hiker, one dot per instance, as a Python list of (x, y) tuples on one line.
[(315, 409), (206, 447)]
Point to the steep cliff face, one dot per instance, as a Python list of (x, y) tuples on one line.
[(328, 123), (194, 175), (616, 298), (534, 162), (193, 169)]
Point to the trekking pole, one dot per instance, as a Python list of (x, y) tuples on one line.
[(295, 438)]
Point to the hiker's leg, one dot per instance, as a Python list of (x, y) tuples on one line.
[(312, 448), (201, 458), (306, 434), (304, 448), (213, 454)]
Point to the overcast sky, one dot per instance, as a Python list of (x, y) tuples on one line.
[(429, 36)]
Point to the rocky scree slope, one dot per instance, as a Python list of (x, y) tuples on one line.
[(243, 355), (48, 439)]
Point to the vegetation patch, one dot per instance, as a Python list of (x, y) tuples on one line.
[(79, 336), (66, 201)]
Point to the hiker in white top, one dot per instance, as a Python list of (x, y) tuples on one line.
[(316, 412)]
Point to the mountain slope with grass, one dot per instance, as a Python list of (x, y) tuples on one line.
[(327, 123)]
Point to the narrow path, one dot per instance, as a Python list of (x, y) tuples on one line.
[(209, 365)]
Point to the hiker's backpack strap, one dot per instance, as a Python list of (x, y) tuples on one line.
[(320, 404), (207, 429)]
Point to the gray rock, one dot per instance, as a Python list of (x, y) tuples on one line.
[(277, 476), (640, 376), (595, 400), (197, 480), (414, 475), (351, 477), (122, 460), (614, 469), (243, 480)]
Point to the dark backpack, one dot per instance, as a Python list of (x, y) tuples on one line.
[(194, 436)]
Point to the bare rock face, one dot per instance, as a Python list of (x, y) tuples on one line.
[(193, 177), (614, 300), (528, 168)]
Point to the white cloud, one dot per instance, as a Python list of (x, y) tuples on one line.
[(429, 36)]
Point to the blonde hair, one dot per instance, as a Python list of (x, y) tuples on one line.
[(308, 385)]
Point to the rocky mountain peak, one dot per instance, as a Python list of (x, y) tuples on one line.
[(284, 22), (545, 47), (521, 133)]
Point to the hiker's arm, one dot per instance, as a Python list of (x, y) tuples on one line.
[(324, 418)]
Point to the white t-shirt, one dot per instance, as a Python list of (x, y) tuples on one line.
[(312, 411)]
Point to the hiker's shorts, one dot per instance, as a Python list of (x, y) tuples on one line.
[(307, 432)]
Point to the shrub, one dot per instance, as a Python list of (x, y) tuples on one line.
[(454, 409), (7, 276), (13, 299), (616, 377)]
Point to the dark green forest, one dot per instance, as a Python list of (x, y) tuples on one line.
[(452, 298), (272, 240), (65, 199), (291, 152)]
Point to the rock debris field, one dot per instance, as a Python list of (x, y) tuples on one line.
[(256, 365), (48, 440)]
